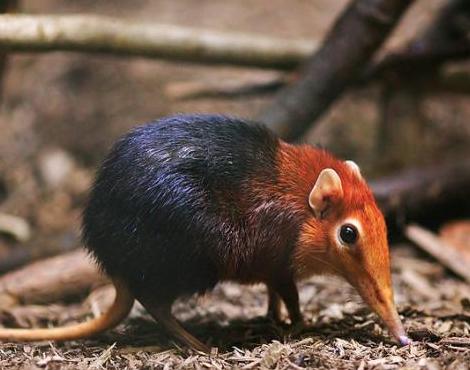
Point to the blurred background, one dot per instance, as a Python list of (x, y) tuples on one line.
[(66, 109)]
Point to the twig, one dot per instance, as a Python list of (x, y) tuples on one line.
[(110, 35), (413, 63), (231, 88), (458, 341)]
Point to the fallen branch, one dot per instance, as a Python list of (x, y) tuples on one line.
[(50, 280), (98, 34), (86, 33), (354, 38), (415, 190), (414, 63), (453, 82), (439, 249), (226, 88)]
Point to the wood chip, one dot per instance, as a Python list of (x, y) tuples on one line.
[(14, 226), (456, 341)]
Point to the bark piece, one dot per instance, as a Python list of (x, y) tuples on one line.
[(439, 249)]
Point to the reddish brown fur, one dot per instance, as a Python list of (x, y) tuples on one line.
[(366, 264), (299, 168)]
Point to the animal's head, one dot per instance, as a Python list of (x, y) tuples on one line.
[(346, 235)]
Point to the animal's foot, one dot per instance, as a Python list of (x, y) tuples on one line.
[(297, 327), (275, 316)]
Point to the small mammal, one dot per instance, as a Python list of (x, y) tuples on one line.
[(187, 201)]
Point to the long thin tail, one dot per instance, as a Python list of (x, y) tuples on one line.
[(118, 311)]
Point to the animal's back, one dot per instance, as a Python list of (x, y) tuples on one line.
[(169, 203)]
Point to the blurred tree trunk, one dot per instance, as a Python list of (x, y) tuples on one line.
[(402, 127), (349, 45), (447, 38), (402, 134)]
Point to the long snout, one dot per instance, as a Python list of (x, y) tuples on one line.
[(389, 315), (380, 299)]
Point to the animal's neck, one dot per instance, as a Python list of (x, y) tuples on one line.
[(298, 168)]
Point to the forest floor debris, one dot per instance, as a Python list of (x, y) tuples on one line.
[(341, 332)]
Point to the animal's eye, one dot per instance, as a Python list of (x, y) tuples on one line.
[(348, 234)]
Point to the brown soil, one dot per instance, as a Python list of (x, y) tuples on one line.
[(341, 332)]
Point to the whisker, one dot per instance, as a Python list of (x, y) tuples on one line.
[(328, 264)]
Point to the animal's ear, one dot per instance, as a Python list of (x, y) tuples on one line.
[(354, 168), (327, 188)]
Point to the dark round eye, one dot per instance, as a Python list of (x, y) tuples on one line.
[(348, 234)]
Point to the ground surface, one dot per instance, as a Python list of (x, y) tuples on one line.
[(60, 113), (342, 333)]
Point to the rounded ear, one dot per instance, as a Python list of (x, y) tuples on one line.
[(354, 168), (327, 186)]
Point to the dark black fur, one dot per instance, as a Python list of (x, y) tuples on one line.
[(172, 206)]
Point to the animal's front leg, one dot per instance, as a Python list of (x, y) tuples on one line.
[(274, 306), (288, 292), (290, 295), (284, 289)]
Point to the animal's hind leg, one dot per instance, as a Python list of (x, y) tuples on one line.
[(162, 313)]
